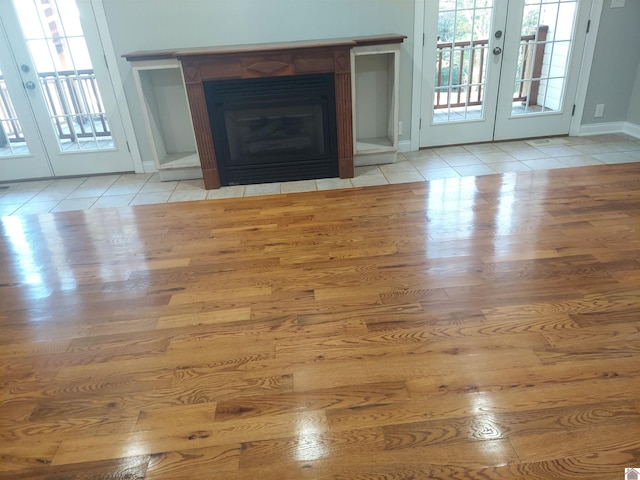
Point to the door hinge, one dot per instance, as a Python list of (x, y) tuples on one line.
[(105, 62), (573, 111), (423, 39), (128, 147), (420, 124), (588, 26)]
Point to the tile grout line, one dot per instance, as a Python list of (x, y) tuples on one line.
[(614, 149)]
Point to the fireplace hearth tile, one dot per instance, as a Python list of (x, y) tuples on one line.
[(226, 192), (370, 180), (298, 186), (262, 189), (333, 183)]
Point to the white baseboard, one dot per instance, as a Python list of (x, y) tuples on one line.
[(186, 173), (374, 159), (610, 127), (404, 146), (632, 129), (601, 128), (149, 167)]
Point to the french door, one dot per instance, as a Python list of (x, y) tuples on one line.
[(500, 69), (58, 114)]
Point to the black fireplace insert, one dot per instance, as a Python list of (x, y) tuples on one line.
[(273, 129)]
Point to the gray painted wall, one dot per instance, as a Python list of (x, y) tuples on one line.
[(634, 104), (615, 65), (159, 24)]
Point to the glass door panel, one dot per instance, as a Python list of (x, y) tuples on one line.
[(541, 65), (543, 59), (461, 59), (56, 43), (12, 141), (461, 73), (21, 151)]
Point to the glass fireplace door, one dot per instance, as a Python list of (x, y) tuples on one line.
[(273, 129)]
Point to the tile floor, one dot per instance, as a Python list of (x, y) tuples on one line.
[(81, 193)]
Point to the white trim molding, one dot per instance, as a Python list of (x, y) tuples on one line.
[(148, 166), (416, 89), (405, 146), (610, 127), (116, 81), (585, 68), (632, 129)]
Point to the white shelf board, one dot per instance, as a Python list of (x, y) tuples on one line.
[(374, 145), (180, 160)]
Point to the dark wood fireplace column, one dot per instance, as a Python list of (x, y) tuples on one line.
[(251, 61)]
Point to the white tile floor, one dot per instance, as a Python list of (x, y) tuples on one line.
[(82, 193)]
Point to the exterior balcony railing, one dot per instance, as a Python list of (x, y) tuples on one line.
[(74, 103), (461, 68)]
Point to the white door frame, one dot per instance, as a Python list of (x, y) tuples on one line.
[(418, 71), (585, 68), (116, 80)]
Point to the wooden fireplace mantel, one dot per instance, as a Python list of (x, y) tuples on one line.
[(267, 60)]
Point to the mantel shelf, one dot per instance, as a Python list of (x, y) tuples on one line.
[(366, 40)]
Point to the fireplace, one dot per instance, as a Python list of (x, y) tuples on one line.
[(273, 129), (319, 130)]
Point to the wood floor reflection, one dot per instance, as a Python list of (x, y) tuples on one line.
[(482, 327)]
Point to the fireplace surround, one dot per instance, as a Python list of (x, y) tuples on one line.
[(288, 59)]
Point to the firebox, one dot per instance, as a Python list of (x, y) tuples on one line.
[(273, 129)]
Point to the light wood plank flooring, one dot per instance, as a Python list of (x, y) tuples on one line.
[(479, 327)]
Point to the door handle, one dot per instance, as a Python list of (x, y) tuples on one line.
[(30, 85), (497, 51)]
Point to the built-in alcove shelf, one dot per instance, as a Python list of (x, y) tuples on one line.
[(368, 145), (165, 110), (375, 70), (366, 90)]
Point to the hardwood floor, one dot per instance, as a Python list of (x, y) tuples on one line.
[(482, 328)]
